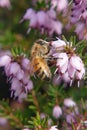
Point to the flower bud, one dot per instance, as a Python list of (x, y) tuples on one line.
[(57, 111)]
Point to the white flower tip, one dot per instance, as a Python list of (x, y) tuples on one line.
[(53, 128)]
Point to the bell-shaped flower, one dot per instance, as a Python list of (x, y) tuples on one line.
[(58, 44), (62, 59), (57, 111), (68, 102), (76, 62)]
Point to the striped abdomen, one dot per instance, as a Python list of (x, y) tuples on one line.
[(41, 68)]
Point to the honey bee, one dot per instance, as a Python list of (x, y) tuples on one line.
[(39, 59)]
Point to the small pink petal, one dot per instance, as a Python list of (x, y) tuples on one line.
[(29, 86), (71, 71), (26, 78), (62, 4), (63, 69), (62, 59), (28, 15), (76, 62), (66, 77), (51, 13), (26, 64), (20, 74), (42, 18), (58, 44), (14, 68), (80, 74), (15, 83)]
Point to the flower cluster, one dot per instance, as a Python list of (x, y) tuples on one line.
[(18, 74), (73, 116), (44, 21), (58, 111), (79, 18), (5, 3), (69, 66)]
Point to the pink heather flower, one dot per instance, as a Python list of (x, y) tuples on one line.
[(79, 18), (3, 121), (13, 68), (29, 86), (18, 74), (54, 26), (15, 84), (44, 21), (26, 64), (51, 13), (42, 115), (81, 30), (62, 62), (53, 127), (57, 111), (65, 77), (78, 10), (28, 15), (42, 17), (59, 4), (76, 62), (68, 102), (5, 3), (69, 66), (58, 44), (70, 118)]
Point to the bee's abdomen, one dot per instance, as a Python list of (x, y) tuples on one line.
[(41, 69)]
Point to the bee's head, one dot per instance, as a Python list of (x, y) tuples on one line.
[(41, 42), (44, 46)]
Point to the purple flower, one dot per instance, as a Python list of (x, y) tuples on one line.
[(18, 74), (58, 44), (44, 21), (68, 102), (79, 18), (3, 121), (57, 111), (59, 4), (69, 66), (5, 3), (81, 30)]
